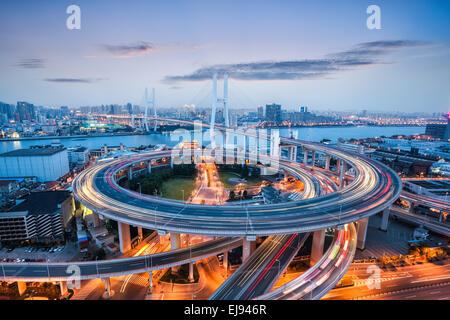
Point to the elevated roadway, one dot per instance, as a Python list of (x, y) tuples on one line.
[(258, 274), (431, 224), (417, 199), (374, 188), (262, 269), (66, 271), (323, 275)]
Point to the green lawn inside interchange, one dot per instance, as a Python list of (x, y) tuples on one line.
[(225, 175), (171, 188)]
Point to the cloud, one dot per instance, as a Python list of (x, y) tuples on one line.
[(377, 48), (363, 54), (129, 50), (32, 63), (73, 80)]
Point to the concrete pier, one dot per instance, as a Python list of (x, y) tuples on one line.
[(361, 229), (124, 237), (317, 246), (385, 219)]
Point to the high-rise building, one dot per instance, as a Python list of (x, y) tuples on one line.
[(273, 113), (439, 131), (7, 111), (260, 112), (64, 111), (304, 109), (25, 111), (115, 109), (129, 108)]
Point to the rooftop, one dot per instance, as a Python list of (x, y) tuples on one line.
[(42, 202), (32, 152), (78, 149), (4, 183)]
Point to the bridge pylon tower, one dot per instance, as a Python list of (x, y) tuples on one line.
[(147, 103), (216, 100)]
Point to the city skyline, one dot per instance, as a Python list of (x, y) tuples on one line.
[(321, 55)]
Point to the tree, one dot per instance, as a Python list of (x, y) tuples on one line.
[(100, 254), (244, 172)]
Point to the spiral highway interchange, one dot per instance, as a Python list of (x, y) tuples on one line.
[(374, 188)]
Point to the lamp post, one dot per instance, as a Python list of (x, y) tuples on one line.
[(48, 269), (96, 264), (140, 190), (4, 275)]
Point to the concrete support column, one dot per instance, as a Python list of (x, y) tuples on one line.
[(246, 249), (140, 233), (108, 290), (130, 173), (191, 272), (361, 233), (385, 219), (149, 167), (327, 163), (150, 280), (63, 287), (22, 287), (440, 216), (305, 156), (338, 166), (225, 260), (411, 207), (124, 237), (252, 246), (313, 157), (171, 162), (317, 246), (188, 240), (175, 243)]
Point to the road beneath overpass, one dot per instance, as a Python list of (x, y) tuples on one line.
[(66, 271)]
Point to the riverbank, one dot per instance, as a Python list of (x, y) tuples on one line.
[(79, 136)]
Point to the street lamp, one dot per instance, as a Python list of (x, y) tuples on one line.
[(96, 264), (140, 190), (4, 275)]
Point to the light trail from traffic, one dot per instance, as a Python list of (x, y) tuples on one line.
[(323, 275), (374, 188)]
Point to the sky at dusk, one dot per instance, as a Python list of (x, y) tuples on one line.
[(315, 53)]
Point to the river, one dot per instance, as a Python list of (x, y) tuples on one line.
[(315, 134)]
